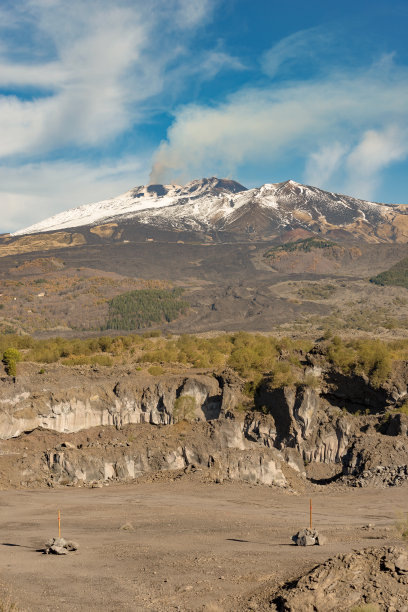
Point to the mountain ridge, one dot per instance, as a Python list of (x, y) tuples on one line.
[(226, 205)]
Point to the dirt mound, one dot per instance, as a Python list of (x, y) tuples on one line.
[(376, 577)]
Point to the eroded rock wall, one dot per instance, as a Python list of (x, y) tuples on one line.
[(91, 403), (299, 418), (218, 448), (292, 426)]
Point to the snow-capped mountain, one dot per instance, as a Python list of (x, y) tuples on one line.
[(221, 204)]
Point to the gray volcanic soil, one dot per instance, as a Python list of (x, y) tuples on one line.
[(229, 286)]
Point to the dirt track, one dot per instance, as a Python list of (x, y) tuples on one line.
[(194, 546)]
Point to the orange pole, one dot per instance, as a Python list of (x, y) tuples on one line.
[(310, 513), (59, 523)]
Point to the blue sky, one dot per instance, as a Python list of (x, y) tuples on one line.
[(99, 96)]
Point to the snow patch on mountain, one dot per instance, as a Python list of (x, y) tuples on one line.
[(212, 202)]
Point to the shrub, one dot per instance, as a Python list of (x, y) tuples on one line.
[(282, 375), (155, 333), (156, 370), (311, 381), (11, 357), (316, 291), (370, 357), (105, 342), (77, 360), (403, 409), (102, 360)]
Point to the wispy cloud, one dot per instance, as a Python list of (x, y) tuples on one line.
[(79, 82), (35, 191), (263, 125), (91, 90), (97, 74), (306, 46), (324, 163), (376, 150), (190, 13)]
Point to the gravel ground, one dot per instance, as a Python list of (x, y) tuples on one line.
[(180, 545)]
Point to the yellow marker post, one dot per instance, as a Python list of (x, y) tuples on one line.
[(310, 513), (59, 523)]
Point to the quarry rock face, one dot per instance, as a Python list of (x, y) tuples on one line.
[(219, 446), (131, 400), (296, 427), (300, 419)]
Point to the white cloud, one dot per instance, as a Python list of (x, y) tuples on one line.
[(376, 150), (90, 97), (304, 45), (50, 75), (276, 122), (215, 61), (84, 72), (97, 74), (32, 192), (322, 164), (190, 13)]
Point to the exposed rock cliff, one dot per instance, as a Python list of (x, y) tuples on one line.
[(292, 427), (74, 401)]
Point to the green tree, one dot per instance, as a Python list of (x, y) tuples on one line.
[(11, 357)]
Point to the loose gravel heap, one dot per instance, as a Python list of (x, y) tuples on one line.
[(382, 476), (373, 576)]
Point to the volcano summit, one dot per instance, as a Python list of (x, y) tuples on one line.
[(227, 207)]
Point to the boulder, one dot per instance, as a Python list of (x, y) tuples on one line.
[(59, 546), (308, 537)]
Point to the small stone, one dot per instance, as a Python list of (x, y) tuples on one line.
[(401, 563), (389, 565)]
